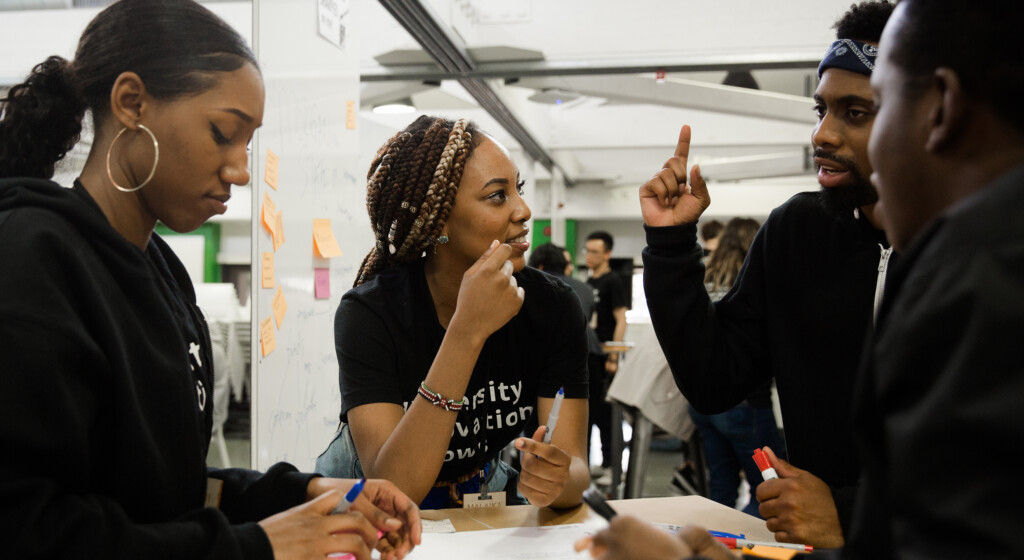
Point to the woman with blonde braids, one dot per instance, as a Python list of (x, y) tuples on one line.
[(448, 346)]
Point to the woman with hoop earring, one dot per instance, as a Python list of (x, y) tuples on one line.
[(106, 372)]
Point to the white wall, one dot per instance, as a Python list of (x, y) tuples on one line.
[(29, 37)]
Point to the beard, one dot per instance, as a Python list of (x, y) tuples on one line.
[(842, 200)]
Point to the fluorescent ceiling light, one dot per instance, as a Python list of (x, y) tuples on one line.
[(394, 108)]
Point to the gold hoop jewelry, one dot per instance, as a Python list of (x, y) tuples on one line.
[(156, 159)]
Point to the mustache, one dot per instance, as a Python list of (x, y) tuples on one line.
[(846, 162)]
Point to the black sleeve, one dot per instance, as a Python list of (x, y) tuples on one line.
[(365, 350), (948, 385), (251, 495), (44, 402), (565, 361), (717, 352)]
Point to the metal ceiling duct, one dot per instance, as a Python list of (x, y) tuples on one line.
[(419, 20)]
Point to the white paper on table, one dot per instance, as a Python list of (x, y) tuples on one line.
[(551, 543), (438, 526)]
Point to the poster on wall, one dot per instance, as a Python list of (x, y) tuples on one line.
[(333, 18)]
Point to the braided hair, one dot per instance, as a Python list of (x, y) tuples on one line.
[(411, 188)]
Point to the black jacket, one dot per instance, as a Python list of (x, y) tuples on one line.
[(938, 408), (106, 396), (798, 312)]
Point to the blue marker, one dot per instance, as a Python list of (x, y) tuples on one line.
[(347, 500), (553, 416)]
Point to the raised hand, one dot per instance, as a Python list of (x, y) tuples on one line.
[(489, 295), (798, 507), (666, 199), (310, 531), (545, 469)]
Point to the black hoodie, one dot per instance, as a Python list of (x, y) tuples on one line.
[(106, 396)]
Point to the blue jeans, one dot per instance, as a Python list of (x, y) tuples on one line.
[(340, 460), (730, 439)]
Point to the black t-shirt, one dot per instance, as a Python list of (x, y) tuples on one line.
[(610, 295), (387, 334)]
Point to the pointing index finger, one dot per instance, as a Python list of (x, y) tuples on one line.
[(683, 144), (545, 451)]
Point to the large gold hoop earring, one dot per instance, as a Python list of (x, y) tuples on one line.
[(156, 159)]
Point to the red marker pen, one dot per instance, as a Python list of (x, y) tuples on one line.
[(764, 465)]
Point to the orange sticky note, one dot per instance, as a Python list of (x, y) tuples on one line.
[(323, 239), (267, 336), (278, 230), (268, 214), (270, 170), (268, 270), (770, 552), (280, 306), (350, 115)]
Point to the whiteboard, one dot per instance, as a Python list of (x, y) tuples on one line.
[(295, 396)]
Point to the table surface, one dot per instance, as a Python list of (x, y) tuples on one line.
[(683, 510)]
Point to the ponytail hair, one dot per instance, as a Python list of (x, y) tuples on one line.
[(40, 121), (177, 48), (411, 189)]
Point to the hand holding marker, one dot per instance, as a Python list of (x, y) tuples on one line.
[(764, 465), (553, 416), (347, 499)]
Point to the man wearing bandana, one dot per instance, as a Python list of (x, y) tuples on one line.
[(800, 307)]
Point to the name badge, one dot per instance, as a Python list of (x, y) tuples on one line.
[(214, 486), (493, 499)]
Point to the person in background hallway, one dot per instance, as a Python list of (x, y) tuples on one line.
[(709, 233), (610, 325), (106, 391), (729, 437), (551, 258), (555, 261), (448, 346), (802, 303), (939, 388)]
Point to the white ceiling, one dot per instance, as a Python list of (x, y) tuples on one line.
[(623, 126)]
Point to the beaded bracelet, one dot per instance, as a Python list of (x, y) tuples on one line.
[(437, 399)]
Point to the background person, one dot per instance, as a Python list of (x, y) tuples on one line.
[(709, 232), (106, 395), (446, 358), (610, 324)]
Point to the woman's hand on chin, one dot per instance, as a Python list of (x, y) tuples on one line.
[(489, 296)]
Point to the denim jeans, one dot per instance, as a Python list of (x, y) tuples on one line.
[(340, 460), (730, 439)]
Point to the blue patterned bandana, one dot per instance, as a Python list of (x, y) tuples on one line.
[(851, 55)]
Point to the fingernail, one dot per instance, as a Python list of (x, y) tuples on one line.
[(519, 444)]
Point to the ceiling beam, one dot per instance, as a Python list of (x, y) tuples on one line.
[(779, 164), (451, 56), (513, 70), (686, 94)]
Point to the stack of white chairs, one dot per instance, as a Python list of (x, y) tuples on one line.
[(219, 303)]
